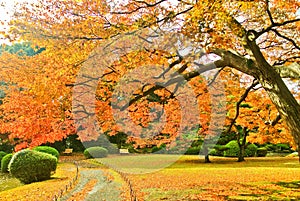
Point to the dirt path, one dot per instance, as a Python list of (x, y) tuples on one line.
[(94, 183)]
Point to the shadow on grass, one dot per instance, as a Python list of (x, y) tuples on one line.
[(292, 184), (249, 162)]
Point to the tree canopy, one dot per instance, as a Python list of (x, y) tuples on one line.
[(258, 38)]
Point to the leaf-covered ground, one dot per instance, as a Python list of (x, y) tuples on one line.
[(95, 182), (274, 178), (41, 191), (224, 179)]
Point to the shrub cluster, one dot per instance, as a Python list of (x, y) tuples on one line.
[(4, 162), (279, 148), (233, 149), (30, 166), (48, 150), (95, 152)]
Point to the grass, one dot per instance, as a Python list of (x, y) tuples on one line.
[(8, 182), (139, 164), (170, 177), (189, 178), (40, 190)]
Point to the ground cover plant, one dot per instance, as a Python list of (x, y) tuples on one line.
[(269, 178)]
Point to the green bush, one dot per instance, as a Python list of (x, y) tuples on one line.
[(193, 151), (216, 152), (2, 154), (95, 152), (48, 150), (271, 147), (104, 142), (261, 152), (250, 150), (220, 147), (232, 149), (30, 166), (4, 162), (282, 147)]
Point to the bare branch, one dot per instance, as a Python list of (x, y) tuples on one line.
[(243, 97), (286, 38), (269, 12), (146, 5)]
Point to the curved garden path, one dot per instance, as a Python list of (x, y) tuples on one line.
[(95, 182)]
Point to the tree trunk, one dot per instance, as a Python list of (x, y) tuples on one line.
[(241, 156), (299, 152), (207, 159), (242, 146), (283, 99)]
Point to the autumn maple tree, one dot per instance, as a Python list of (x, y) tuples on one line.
[(259, 38), (252, 115)]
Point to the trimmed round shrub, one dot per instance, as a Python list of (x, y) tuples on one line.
[(4, 162), (262, 152), (2, 154), (31, 166), (232, 149), (95, 152), (250, 150), (48, 150)]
